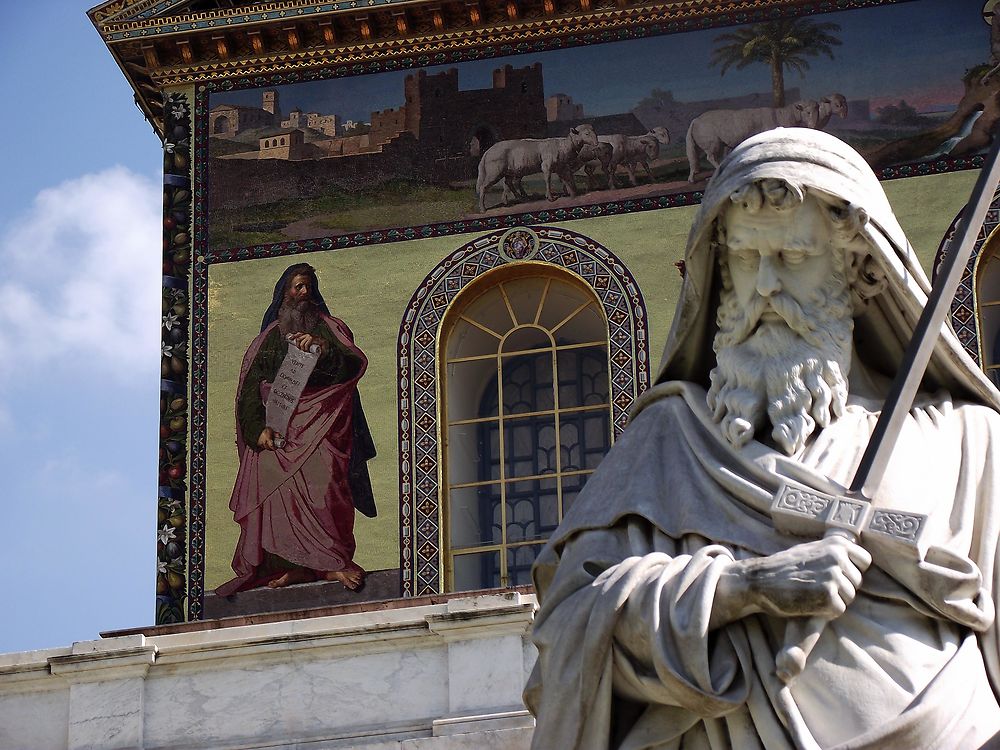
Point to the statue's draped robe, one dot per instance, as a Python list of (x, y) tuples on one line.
[(297, 502), (627, 583)]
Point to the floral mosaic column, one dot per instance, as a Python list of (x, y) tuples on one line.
[(172, 514)]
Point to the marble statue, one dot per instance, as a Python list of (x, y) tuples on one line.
[(666, 591)]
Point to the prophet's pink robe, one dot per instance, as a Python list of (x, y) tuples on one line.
[(296, 502)]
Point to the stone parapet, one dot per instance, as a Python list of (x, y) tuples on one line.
[(440, 676)]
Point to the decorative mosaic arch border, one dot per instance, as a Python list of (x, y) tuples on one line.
[(963, 307), (419, 455)]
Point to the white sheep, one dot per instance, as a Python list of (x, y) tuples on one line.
[(514, 159), (629, 151), (590, 157), (719, 131), (834, 104)]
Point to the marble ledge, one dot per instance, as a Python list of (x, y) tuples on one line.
[(514, 719), (360, 632), (261, 647), (474, 624), (26, 662), (495, 739), (509, 730), (27, 670), (498, 739), (132, 655), (108, 659), (389, 734), (84, 661)]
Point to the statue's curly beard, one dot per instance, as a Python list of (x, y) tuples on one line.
[(297, 317), (791, 373)]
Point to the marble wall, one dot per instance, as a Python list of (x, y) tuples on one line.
[(442, 676)]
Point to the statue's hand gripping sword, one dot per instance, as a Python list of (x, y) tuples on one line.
[(801, 510)]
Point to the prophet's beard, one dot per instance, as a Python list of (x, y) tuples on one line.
[(792, 372), (297, 317)]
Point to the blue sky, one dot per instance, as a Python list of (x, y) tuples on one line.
[(79, 319), (79, 295)]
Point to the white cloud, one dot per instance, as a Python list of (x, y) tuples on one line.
[(81, 278), (69, 476)]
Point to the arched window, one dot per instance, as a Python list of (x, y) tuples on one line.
[(520, 355), (526, 414), (988, 308), (222, 125)]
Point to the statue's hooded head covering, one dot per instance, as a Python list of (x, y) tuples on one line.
[(817, 161)]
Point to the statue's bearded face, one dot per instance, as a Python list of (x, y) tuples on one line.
[(785, 325)]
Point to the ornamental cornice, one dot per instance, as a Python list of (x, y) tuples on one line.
[(249, 15), (133, 9), (507, 34), (157, 50), (141, 21)]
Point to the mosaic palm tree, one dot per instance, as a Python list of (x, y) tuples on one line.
[(782, 44)]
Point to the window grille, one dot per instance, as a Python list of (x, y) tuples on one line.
[(528, 420)]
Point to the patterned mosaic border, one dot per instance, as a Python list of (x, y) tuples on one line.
[(444, 229), (146, 24), (492, 223), (132, 10), (963, 307), (199, 430), (420, 499), (199, 369), (143, 10), (174, 532)]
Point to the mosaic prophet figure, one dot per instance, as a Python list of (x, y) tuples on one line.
[(296, 491)]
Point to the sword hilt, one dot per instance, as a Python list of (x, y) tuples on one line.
[(802, 634), (806, 512)]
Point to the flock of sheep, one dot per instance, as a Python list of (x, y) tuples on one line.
[(716, 132), (510, 161)]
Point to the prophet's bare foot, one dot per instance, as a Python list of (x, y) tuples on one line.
[(298, 575), (353, 578)]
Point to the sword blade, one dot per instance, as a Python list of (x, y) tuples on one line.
[(918, 352)]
